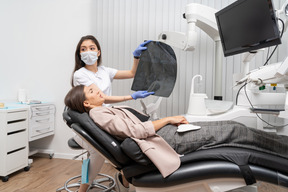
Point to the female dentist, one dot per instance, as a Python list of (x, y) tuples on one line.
[(88, 70)]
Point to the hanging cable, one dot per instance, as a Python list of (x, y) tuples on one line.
[(276, 45), (267, 56), (239, 92)]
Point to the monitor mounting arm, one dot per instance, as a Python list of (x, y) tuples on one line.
[(204, 18), (196, 15)]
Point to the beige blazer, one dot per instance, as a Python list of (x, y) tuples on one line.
[(122, 123)]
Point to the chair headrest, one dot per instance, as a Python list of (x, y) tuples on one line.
[(67, 117)]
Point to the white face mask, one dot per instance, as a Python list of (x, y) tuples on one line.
[(89, 57)]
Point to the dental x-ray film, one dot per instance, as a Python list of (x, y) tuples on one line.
[(157, 70)]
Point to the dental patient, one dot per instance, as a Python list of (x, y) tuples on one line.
[(159, 139)]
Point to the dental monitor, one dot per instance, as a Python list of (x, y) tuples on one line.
[(247, 25)]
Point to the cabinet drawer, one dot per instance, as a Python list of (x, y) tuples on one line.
[(42, 113), (13, 126), (42, 108), (16, 115), (16, 160), (38, 121), (42, 129), (16, 141)]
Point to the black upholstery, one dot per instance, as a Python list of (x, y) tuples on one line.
[(73, 144), (201, 170), (199, 165), (132, 150), (105, 142)]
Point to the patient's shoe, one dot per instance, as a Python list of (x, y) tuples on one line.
[(119, 185)]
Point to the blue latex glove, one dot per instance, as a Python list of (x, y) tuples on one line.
[(141, 94), (140, 48)]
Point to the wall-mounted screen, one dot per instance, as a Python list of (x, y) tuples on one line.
[(247, 25)]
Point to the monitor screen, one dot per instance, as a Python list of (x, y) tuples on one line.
[(247, 25)]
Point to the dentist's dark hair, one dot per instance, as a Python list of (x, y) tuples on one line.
[(78, 62), (75, 98)]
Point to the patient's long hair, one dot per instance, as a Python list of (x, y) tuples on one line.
[(78, 62), (75, 98)]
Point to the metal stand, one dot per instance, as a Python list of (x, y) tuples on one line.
[(95, 184)]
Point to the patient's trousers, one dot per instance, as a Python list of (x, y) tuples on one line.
[(223, 134)]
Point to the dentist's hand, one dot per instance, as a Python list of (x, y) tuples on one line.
[(141, 94), (140, 48)]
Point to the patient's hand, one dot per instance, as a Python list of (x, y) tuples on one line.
[(177, 120), (174, 120)]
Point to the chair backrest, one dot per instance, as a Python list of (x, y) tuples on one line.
[(107, 145), (101, 149)]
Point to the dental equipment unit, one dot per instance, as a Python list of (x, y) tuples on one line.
[(250, 101)]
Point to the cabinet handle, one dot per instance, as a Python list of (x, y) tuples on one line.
[(43, 129), (42, 108), (42, 114), (43, 120)]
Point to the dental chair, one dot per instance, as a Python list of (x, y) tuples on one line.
[(219, 169)]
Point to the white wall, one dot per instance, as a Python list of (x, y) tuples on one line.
[(38, 40)]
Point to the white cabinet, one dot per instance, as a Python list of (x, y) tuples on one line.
[(13, 140), (41, 120)]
